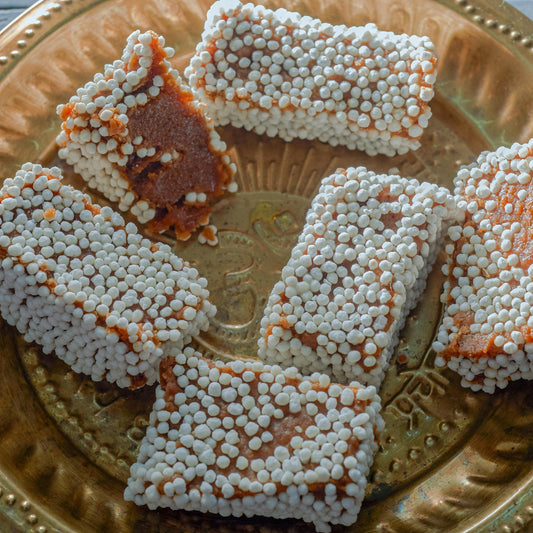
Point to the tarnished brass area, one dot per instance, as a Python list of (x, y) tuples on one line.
[(450, 460)]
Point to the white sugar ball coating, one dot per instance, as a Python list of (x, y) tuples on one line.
[(279, 73), (485, 335), (380, 235), (98, 135), (78, 299), (272, 479)]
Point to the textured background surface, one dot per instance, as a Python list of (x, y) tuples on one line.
[(526, 6), (10, 9)]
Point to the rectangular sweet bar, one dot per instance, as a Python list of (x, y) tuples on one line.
[(360, 265), (292, 76), (245, 438), (78, 281), (486, 333), (136, 134)]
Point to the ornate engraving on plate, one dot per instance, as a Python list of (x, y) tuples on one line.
[(256, 234)]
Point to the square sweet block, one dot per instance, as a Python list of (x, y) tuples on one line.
[(245, 438), (486, 333), (136, 134), (293, 76), (359, 267), (77, 280)]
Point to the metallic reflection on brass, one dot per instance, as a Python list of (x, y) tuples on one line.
[(450, 460)]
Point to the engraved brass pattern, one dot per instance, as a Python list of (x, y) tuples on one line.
[(450, 460)]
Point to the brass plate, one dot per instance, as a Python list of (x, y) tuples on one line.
[(450, 461)]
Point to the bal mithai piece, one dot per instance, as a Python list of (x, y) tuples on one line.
[(136, 134), (77, 281), (292, 76), (245, 438), (360, 264), (486, 334)]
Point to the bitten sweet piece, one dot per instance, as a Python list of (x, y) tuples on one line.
[(77, 281), (245, 438), (292, 76), (136, 134), (487, 331), (360, 265)]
